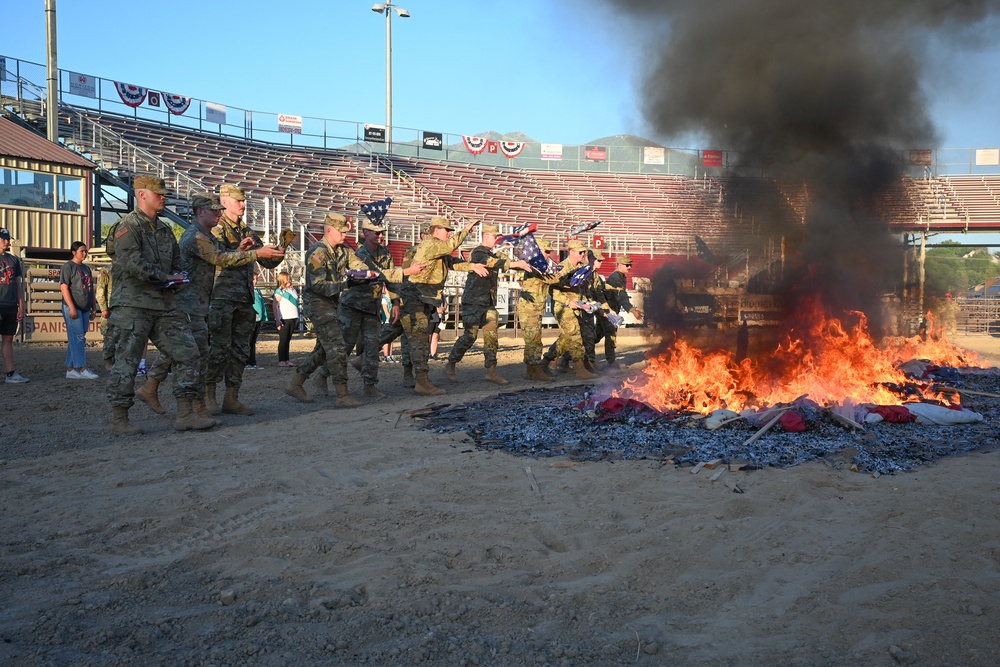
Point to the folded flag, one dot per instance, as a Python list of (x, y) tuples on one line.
[(360, 274), (615, 319), (583, 227), (581, 275), (167, 284)]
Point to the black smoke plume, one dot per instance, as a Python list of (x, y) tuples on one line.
[(825, 96)]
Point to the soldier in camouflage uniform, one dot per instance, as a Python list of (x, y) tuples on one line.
[(327, 263), (593, 290), (566, 300), (422, 293), (103, 298), (479, 299), (231, 316), (530, 310), (361, 302), (616, 289), (146, 256), (200, 255), (393, 329)]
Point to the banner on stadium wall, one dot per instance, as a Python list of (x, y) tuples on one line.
[(653, 155), (474, 145), (595, 153), (987, 156), (375, 133), (82, 85), (215, 113), (176, 104), (511, 149), (433, 140), (552, 151), (131, 95), (289, 124), (922, 157), (154, 98), (711, 158)]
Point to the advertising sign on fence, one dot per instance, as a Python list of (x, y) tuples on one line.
[(375, 133), (215, 113), (82, 85), (552, 151), (289, 124)]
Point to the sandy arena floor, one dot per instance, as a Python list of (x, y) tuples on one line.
[(308, 535)]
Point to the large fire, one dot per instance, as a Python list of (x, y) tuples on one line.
[(828, 362)]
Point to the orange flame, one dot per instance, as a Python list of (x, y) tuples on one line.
[(830, 363)]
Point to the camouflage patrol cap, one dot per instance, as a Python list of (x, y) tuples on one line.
[(624, 259), (206, 200), (576, 245), (544, 245), (368, 224), (234, 191), (337, 221), (425, 228), (491, 229), (442, 222), (151, 183), (598, 255)]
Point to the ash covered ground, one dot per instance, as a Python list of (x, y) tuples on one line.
[(561, 422)]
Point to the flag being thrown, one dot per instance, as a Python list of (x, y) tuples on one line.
[(377, 210)]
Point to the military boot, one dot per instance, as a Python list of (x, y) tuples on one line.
[(563, 366), (120, 425), (344, 400), (424, 387), (491, 376), (198, 405), (581, 371), (408, 380), (210, 403), (546, 367), (371, 391), (535, 372), (231, 403), (589, 365), (147, 394), (297, 391), (187, 420), (449, 371), (319, 384)]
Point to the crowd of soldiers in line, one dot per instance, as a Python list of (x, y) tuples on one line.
[(193, 299)]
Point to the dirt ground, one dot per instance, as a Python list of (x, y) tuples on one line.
[(309, 535)]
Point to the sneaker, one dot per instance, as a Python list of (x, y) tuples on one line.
[(251, 367), (73, 374), (142, 370), (16, 378), (87, 374)]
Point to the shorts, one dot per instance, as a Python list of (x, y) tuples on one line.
[(8, 320)]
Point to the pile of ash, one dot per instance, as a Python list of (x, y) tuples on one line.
[(568, 422)]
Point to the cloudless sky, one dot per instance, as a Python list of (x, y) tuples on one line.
[(561, 71)]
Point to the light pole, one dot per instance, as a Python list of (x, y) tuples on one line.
[(387, 8)]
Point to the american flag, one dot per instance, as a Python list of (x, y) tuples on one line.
[(580, 275), (528, 250), (377, 210), (583, 227), (517, 233)]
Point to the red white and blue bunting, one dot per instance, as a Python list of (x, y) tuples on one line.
[(511, 148), (476, 145), (131, 95), (176, 104)]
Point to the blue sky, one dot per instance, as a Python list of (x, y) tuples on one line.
[(561, 71)]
